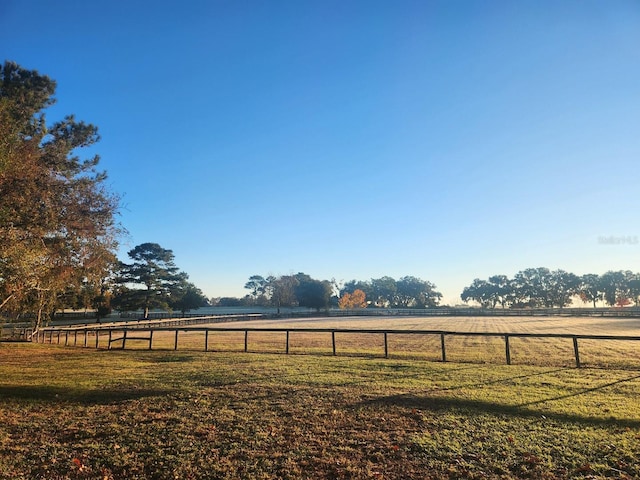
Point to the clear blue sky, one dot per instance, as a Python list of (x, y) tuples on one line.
[(442, 139)]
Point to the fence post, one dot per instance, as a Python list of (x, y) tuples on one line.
[(206, 340), (287, 342), (97, 338), (333, 342), (386, 346), (246, 341), (575, 350), (66, 338), (507, 351), (110, 333), (124, 339), (444, 351), (175, 345), (150, 338), (75, 338)]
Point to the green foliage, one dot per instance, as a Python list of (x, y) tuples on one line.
[(354, 285), (185, 296), (257, 284), (415, 292), (230, 302), (150, 280), (615, 286), (313, 293), (383, 291), (541, 287), (590, 288), (282, 290), (407, 292), (302, 290), (479, 291), (289, 291)]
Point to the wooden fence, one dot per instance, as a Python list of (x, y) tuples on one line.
[(626, 312), (121, 334), (15, 332), (70, 318)]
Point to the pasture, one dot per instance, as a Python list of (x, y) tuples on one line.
[(474, 349), (72, 413)]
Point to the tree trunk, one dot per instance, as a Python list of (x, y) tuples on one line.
[(6, 300), (39, 314)]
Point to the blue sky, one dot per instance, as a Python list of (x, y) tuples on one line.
[(447, 140)]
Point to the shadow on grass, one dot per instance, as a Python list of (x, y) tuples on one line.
[(440, 404), (77, 395), (171, 358), (499, 380), (582, 392)]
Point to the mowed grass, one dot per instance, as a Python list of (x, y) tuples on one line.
[(84, 413), (473, 349)]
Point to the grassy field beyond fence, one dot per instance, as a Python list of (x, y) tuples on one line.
[(473, 347)]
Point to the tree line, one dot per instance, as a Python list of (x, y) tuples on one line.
[(303, 291), (299, 290), (541, 287)]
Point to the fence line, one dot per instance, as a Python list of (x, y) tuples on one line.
[(73, 318), (633, 312), (168, 322), (126, 331), (627, 312), (612, 312), (15, 332)]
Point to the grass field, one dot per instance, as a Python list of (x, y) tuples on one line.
[(525, 351), (85, 413)]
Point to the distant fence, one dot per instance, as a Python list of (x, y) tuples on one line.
[(24, 331), (119, 334), (72, 317), (15, 332), (633, 312), (627, 312)]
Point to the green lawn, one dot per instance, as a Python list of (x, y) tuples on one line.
[(85, 413)]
